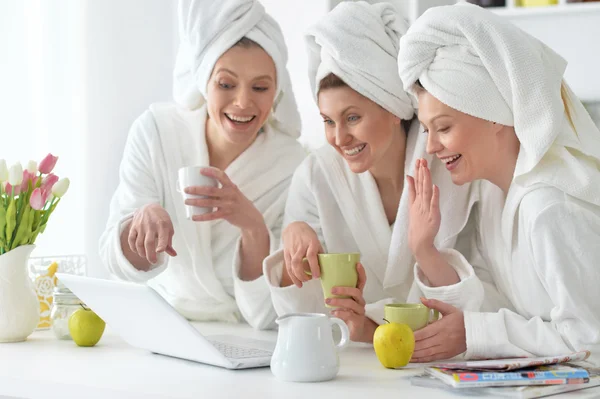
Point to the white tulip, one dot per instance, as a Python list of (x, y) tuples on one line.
[(32, 167), (3, 171), (15, 174), (60, 187)]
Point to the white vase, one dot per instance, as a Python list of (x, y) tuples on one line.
[(19, 305)]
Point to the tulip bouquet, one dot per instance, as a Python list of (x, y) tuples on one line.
[(27, 199)]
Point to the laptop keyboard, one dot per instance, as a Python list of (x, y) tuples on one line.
[(239, 352)]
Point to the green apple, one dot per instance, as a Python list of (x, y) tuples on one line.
[(86, 327), (394, 344)]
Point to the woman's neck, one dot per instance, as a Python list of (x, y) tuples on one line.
[(507, 160), (389, 171), (389, 176), (221, 153)]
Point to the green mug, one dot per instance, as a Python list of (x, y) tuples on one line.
[(337, 270), (415, 315)]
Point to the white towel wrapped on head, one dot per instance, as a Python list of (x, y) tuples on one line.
[(207, 29), (480, 64), (358, 42)]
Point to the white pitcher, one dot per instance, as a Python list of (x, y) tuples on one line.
[(19, 305), (305, 351)]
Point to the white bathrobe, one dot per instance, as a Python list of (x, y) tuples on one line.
[(346, 212), (541, 243), (542, 251), (202, 281)]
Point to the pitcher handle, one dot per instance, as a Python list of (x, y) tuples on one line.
[(435, 315), (345, 332)]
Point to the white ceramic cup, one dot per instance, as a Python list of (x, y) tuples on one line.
[(190, 176)]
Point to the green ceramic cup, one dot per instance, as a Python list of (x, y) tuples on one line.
[(337, 270), (415, 315)]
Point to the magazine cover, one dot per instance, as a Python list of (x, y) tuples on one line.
[(541, 375), (519, 392)]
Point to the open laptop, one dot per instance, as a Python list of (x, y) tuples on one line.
[(144, 319)]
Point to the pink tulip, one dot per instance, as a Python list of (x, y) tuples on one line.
[(37, 201), (47, 164), (7, 188), (48, 182), (27, 177), (46, 195)]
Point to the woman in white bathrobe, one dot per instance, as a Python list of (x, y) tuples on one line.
[(496, 107), (350, 196), (235, 114)]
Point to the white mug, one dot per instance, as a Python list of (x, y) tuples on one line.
[(190, 176)]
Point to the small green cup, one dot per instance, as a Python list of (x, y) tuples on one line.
[(415, 315), (337, 270)]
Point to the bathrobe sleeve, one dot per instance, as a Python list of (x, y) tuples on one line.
[(137, 187), (562, 243), (254, 297), (301, 206), (476, 290)]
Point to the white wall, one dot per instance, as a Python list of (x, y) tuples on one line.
[(293, 25), (130, 53), (40, 104), (74, 76), (575, 37)]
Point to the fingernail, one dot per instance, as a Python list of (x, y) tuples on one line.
[(334, 290), (328, 300)]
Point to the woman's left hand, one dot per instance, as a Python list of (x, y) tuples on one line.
[(424, 210), (442, 339), (230, 203), (352, 310)]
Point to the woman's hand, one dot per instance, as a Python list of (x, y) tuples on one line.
[(300, 241), (151, 232), (423, 226), (424, 213), (442, 339), (230, 203), (352, 310)]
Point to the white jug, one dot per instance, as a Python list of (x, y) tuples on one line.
[(305, 350)]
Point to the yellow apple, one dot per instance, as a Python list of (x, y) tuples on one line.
[(86, 327), (394, 344)]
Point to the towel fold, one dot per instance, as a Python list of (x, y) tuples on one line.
[(358, 42), (480, 64), (207, 29)]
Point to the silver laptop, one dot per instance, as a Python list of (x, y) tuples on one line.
[(144, 319)]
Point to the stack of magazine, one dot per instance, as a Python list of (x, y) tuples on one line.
[(518, 378)]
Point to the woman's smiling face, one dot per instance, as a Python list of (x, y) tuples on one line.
[(240, 92), (467, 145), (359, 129)]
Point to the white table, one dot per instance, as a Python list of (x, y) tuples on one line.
[(44, 367)]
